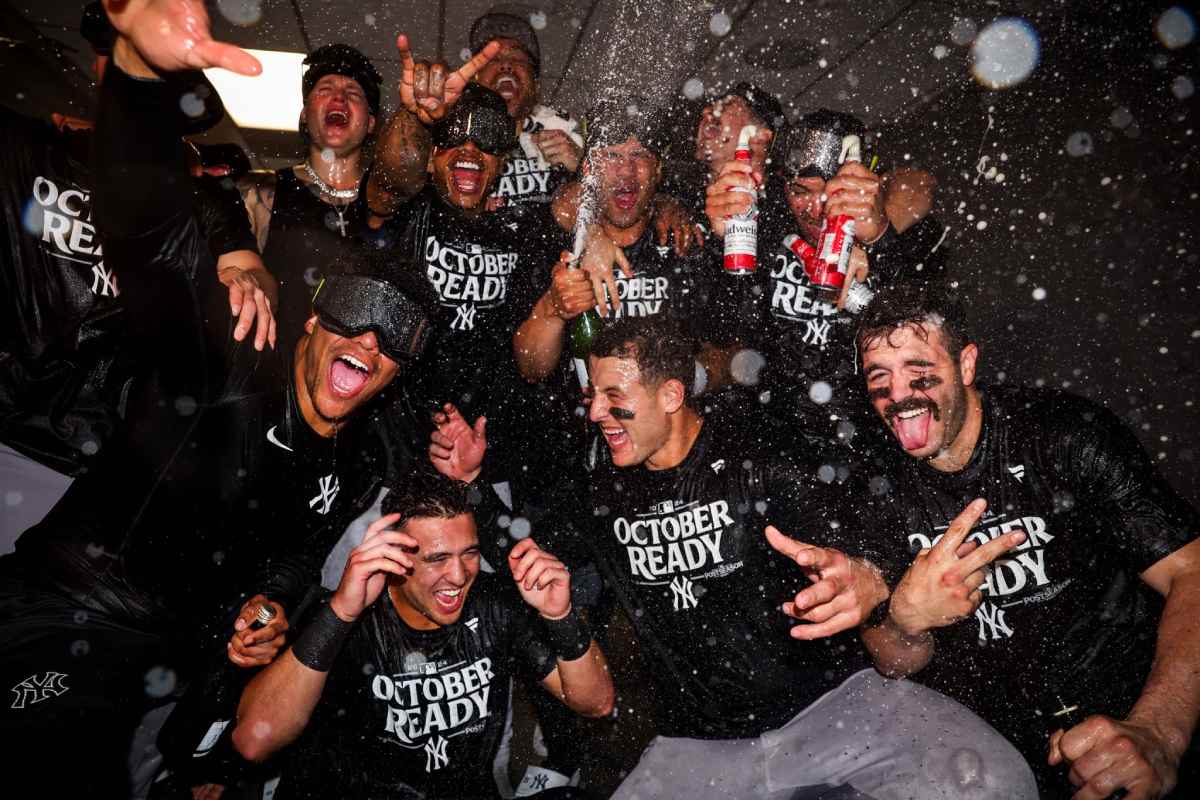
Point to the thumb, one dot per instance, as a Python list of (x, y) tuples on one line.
[(480, 426), (1056, 756)]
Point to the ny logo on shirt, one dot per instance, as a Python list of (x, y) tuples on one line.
[(816, 332), (37, 688), (104, 282), (464, 318), (682, 595), (435, 754), (327, 491), (991, 619)]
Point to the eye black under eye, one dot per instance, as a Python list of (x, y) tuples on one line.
[(927, 382)]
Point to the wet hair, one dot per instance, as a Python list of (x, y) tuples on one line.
[(902, 306), (662, 349), (763, 105), (614, 120), (342, 59), (426, 494)]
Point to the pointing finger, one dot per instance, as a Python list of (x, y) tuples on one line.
[(478, 61), (989, 552)]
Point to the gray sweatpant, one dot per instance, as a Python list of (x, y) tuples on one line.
[(887, 739)]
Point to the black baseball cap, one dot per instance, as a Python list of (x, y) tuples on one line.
[(95, 27), (815, 143), (498, 25), (342, 59), (612, 121), (481, 116)]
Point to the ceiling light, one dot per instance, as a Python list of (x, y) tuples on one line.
[(270, 101)]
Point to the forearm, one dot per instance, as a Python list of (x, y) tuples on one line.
[(401, 162), (1170, 700), (276, 706), (586, 685), (895, 652), (909, 197), (538, 342)]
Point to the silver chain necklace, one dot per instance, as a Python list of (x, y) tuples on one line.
[(337, 194)]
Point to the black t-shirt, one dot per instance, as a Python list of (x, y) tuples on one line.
[(419, 714), (1065, 619), (531, 179), (215, 468), (804, 338), (472, 264), (684, 551)]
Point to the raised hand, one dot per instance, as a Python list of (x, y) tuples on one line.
[(598, 261), (253, 293), (673, 221), (1106, 755), (571, 291), (382, 553), (858, 192), (844, 592), (429, 90), (257, 648), (456, 449), (558, 148), (171, 35), (721, 202), (942, 586), (542, 579)]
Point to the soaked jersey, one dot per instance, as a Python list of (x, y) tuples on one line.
[(418, 714), (527, 176), (472, 265), (684, 552), (1065, 619)]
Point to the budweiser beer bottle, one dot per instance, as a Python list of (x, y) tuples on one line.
[(741, 230), (857, 296), (837, 236)]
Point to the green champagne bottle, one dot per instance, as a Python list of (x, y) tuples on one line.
[(584, 330)]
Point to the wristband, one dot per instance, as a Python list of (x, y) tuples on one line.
[(322, 640), (570, 636)]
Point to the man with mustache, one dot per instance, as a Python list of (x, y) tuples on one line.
[(548, 147), (1055, 644), (749, 705), (228, 456)]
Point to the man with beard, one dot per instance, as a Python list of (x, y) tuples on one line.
[(1055, 645), (626, 138), (303, 216), (675, 524), (228, 455), (548, 148), (399, 685), (805, 336)]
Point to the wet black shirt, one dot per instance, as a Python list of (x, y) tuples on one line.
[(1066, 618), (306, 238), (419, 714), (803, 338), (684, 551), (215, 467), (472, 265)]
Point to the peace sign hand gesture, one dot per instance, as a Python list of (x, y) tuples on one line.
[(429, 90), (942, 586)]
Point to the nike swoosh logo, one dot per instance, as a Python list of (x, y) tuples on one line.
[(271, 438)]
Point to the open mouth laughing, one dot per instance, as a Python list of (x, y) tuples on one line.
[(449, 600), (911, 420), (466, 175), (348, 375)]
